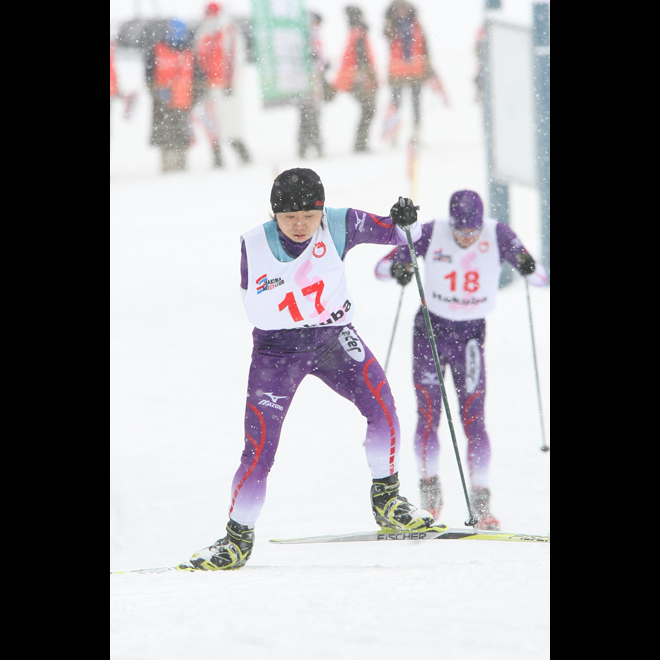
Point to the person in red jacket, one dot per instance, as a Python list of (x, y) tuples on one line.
[(174, 79), (409, 64), (357, 74), (220, 55)]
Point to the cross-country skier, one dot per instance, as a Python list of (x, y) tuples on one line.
[(295, 293), (463, 255)]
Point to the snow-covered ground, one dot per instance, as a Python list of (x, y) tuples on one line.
[(180, 350)]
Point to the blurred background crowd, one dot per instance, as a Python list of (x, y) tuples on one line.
[(194, 71)]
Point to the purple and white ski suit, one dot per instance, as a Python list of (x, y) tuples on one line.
[(460, 345), (332, 352)]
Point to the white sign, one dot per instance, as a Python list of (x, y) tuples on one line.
[(511, 78)]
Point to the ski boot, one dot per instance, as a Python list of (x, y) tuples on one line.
[(227, 553), (392, 511), (480, 502), (431, 495)]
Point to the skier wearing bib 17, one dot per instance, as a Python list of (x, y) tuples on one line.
[(463, 255), (295, 294)]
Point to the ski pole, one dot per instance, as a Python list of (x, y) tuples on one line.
[(396, 320), (472, 521), (544, 446), (413, 163), (412, 172)]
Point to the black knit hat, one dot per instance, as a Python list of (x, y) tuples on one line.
[(298, 189)]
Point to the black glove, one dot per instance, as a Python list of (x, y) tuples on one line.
[(526, 265), (404, 212), (402, 273)]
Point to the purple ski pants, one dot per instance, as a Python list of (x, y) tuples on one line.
[(460, 345), (280, 361)]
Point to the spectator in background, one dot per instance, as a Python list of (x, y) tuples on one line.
[(115, 90), (357, 74), (173, 79), (309, 123), (114, 87), (221, 57), (408, 64)]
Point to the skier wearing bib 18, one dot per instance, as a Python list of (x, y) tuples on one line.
[(296, 295), (463, 255)]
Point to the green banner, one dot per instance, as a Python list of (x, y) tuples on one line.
[(283, 50)]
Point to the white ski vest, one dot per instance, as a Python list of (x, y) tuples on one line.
[(307, 291), (461, 283)]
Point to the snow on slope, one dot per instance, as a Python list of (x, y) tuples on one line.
[(180, 349)]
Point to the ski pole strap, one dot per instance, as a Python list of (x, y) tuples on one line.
[(429, 328)]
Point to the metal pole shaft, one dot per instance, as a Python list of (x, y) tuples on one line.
[(396, 320), (498, 190), (472, 521), (544, 446), (541, 35)]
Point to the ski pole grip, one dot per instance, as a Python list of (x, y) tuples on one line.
[(402, 203)]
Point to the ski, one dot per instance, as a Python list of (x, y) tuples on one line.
[(430, 534), (160, 569)]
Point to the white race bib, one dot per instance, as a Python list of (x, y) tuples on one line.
[(308, 291), (461, 283)]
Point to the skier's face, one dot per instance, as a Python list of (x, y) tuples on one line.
[(299, 226), (466, 237)]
